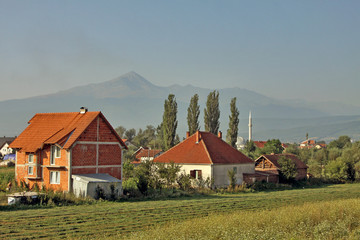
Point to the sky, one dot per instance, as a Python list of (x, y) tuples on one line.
[(285, 49)]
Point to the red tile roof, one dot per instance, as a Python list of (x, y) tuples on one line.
[(208, 150), (275, 157), (260, 144), (61, 128), (147, 153)]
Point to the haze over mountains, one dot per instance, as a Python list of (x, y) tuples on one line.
[(134, 102)]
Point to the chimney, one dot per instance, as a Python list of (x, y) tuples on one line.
[(197, 137), (220, 134), (187, 134), (83, 110)]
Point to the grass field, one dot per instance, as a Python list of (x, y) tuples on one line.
[(117, 219)]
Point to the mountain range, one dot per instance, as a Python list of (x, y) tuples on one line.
[(134, 102)]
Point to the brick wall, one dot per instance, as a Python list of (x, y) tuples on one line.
[(84, 155), (109, 155)]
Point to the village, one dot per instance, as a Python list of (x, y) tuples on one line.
[(82, 154)]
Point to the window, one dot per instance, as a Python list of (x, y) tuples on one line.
[(30, 170), (195, 174), (54, 177), (235, 170), (31, 158), (55, 153)]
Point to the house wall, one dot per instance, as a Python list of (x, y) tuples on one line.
[(220, 173), (206, 169), (97, 151)]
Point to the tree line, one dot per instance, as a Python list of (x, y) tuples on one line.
[(164, 136)]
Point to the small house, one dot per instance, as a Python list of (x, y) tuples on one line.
[(205, 155), (268, 164)]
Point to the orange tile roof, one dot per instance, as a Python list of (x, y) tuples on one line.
[(260, 144), (208, 150), (147, 153), (61, 128)]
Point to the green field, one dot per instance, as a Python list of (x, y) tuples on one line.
[(117, 219)]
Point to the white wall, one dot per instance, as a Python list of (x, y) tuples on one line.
[(219, 172), (221, 177)]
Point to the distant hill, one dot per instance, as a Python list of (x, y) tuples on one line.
[(133, 102)]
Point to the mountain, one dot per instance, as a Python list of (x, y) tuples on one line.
[(133, 102)]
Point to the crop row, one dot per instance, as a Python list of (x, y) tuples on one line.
[(116, 218)]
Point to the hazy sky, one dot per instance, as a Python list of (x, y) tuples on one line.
[(283, 49)]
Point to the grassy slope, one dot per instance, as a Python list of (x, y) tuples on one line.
[(118, 218), (337, 219)]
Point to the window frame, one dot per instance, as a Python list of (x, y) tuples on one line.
[(32, 170), (55, 177), (32, 158), (55, 153)]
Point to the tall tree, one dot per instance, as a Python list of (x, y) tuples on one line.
[(169, 123), (193, 114), (120, 130), (232, 132), (212, 113)]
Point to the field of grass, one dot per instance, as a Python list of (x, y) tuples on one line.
[(336, 219), (117, 219)]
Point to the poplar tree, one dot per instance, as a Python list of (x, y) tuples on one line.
[(169, 123), (193, 114), (212, 113), (232, 132)]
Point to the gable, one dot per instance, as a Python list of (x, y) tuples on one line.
[(58, 128), (203, 148), (264, 163)]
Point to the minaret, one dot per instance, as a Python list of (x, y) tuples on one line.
[(250, 127)]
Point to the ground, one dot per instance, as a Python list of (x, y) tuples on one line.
[(117, 219)]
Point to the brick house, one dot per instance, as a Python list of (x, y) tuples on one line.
[(56, 146), (205, 155), (268, 164)]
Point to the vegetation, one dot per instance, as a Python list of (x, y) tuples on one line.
[(232, 132), (288, 169), (212, 113), (118, 219), (193, 115), (325, 220), (169, 123)]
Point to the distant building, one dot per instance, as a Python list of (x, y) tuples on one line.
[(146, 154), (5, 145), (268, 163), (310, 143)]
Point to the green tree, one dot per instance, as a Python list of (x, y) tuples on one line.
[(272, 146), (232, 132), (341, 142), (288, 169), (336, 170), (212, 113), (193, 115), (130, 134), (169, 172), (169, 123), (232, 178), (120, 131)]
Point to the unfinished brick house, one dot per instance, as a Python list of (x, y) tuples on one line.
[(57, 146), (268, 164)]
